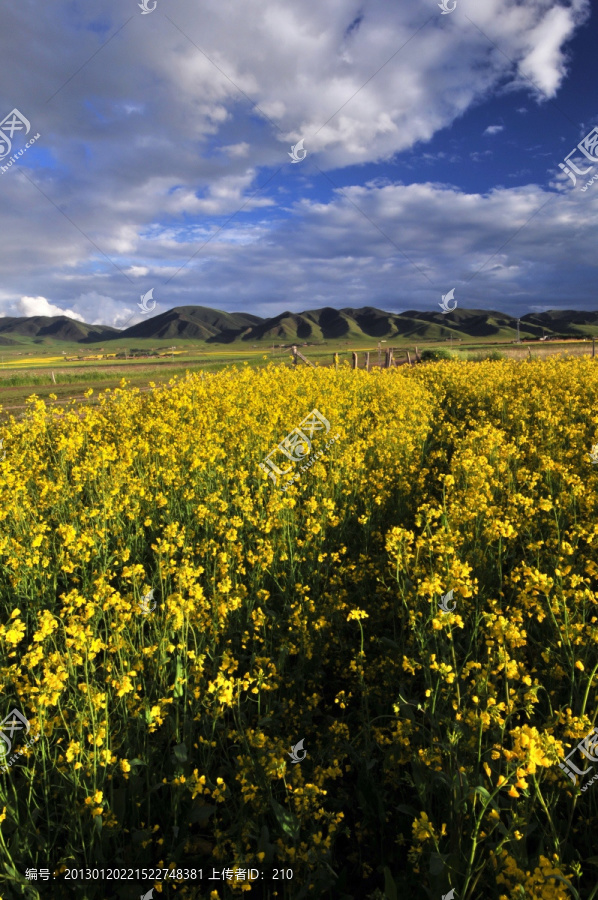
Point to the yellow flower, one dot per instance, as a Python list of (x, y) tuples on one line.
[(447, 472), (357, 615), (74, 748), (423, 830)]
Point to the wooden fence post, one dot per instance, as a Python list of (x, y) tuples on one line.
[(354, 360), (295, 354), (529, 352), (408, 357), (391, 360), (335, 358), (386, 359), (367, 362), (299, 355)]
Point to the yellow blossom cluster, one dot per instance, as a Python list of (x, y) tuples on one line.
[(432, 738)]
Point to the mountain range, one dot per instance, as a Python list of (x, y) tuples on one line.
[(213, 326)]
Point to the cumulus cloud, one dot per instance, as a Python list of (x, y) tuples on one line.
[(39, 306), (545, 61), (389, 245), (159, 129), (494, 129)]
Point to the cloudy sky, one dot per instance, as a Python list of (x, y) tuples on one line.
[(430, 161)]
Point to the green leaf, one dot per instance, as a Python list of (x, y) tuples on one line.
[(264, 846), (389, 643), (484, 793), (264, 837), (201, 813), (407, 712), (287, 821), (16, 876), (408, 810), (390, 888), (438, 863), (178, 681), (442, 778), (180, 752)]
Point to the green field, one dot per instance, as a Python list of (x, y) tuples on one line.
[(41, 370)]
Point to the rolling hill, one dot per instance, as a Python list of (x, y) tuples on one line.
[(366, 324), (198, 323), (56, 328)]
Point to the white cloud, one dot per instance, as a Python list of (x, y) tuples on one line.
[(499, 250), (494, 129), (140, 171), (39, 306), (237, 150), (545, 61)]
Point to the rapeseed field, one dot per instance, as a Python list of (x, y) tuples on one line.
[(431, 740)]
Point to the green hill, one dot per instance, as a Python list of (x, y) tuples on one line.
[(56, 328), (362, 325)]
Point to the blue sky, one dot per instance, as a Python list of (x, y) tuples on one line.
[(433, 148)]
